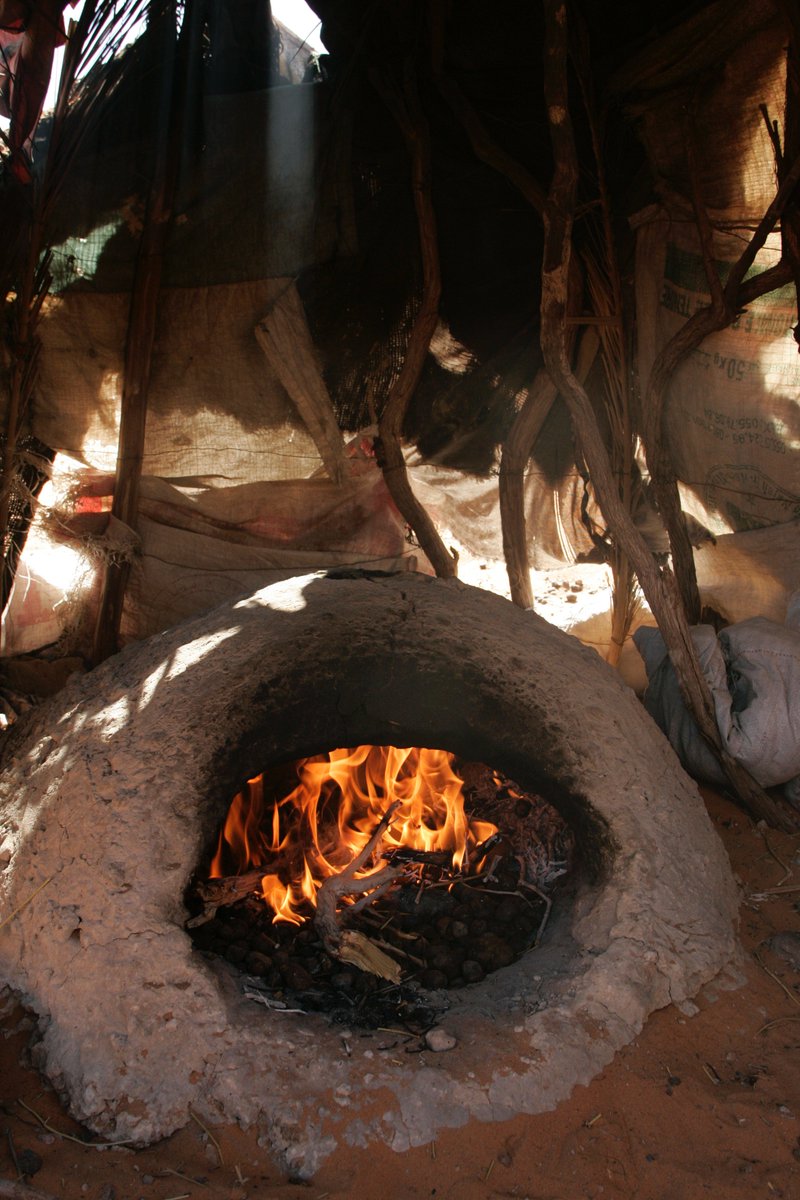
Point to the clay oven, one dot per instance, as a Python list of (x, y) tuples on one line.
[(113, 790)]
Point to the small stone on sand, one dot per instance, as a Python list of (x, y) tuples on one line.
[(439, 1039)]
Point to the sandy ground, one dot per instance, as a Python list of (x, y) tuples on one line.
[(703, 1103)]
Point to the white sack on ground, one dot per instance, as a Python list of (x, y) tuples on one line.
[(740, 574), (753, 671)]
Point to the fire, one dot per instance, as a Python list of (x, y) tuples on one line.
[(329, 817)]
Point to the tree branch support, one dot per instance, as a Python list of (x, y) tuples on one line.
[(658, 586)]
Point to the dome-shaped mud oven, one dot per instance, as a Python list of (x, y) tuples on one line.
[(114, 792)]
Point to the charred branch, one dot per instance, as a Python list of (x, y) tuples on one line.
[(214, 893)]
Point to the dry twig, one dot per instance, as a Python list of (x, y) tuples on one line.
[(788, 872), (12, 1150), (179, 1175), (777, 1021), (772, 975), (548, 906), (69, 1137), (25, 903), (209, 1135)]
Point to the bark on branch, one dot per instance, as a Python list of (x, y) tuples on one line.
[(659, 587), (407, 112), (516, 453)]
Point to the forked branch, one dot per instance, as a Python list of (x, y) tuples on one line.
[(350, 945)]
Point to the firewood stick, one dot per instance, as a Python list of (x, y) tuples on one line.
[(370, 897), (333, 889), (363, 857), (345, 884), (230, 888)]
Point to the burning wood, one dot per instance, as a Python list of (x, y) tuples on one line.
[(351, 946), (316, 831), (215, 893), (401, 905)]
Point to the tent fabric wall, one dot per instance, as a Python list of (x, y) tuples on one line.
[(257, 223), (732, 409), (705, 81), (239, 150), (194, 547), (179, 573), (732, 413), (215, 408)]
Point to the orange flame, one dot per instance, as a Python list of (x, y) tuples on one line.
[(327, 819)]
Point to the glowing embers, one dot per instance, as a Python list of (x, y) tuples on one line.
[(332, 816), (355, 882)]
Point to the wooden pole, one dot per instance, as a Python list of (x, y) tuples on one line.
[(514, 458), (142, 322)]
